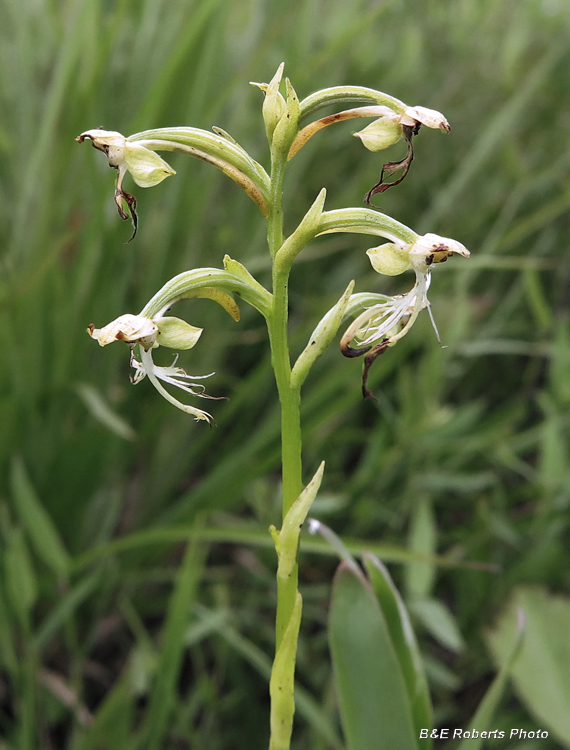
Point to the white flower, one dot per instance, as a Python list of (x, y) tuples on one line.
[(174, 376), (388, 130), (148, 334), (390, 320), (146, 167)]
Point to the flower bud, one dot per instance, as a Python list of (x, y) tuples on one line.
[(390, 259), (177, 334), (274, 104), (381, 133)]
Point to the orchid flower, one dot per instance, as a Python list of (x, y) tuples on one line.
[(148, 334), (146, 167), (388, 129), (382, 325), (392, 125)]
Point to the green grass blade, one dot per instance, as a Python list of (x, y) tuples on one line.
[(162, 697), (306, 705), (483, 717), (39, 526)]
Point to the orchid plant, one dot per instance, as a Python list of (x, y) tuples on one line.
[(378, 321)]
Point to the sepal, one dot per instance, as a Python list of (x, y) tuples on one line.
[(176, 333), (390, 259)]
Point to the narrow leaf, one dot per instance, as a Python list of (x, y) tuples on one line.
[(374, 705), (101, 410), (484, 714), (282, 683), (163, 693), (20, 576), (37, 523), (439, 622), (422, 539), (405, 644)]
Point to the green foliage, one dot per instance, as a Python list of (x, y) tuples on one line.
[(541, 673), (374, 702), (479, 429)]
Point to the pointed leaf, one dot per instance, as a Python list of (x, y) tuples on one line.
[(405, 644), (39, 526), (422, 539), (374, 705), (439, 622)]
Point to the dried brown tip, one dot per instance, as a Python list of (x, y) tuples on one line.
[(349, 352), (131, 202), (369, 360)]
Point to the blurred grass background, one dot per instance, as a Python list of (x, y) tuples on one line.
[(465, 454)]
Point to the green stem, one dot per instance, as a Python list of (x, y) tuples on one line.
[(275, 218), (288, 599)]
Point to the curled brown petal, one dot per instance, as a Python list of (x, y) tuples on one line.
[(349, 352), (120, 196), (369, 360), (391, 167)]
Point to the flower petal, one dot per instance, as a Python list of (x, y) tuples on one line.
[(133, 329), (431, 118), (153, 372)]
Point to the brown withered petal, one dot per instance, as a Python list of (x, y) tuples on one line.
[(349, 352), (391, 167), (369, 360), (131, 202)]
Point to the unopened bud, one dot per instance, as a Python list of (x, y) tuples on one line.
[(274, 105)]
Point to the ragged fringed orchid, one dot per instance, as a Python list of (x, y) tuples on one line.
[(146, 167), (395, 121), (147, 334), (379, 320), (381, 325)]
